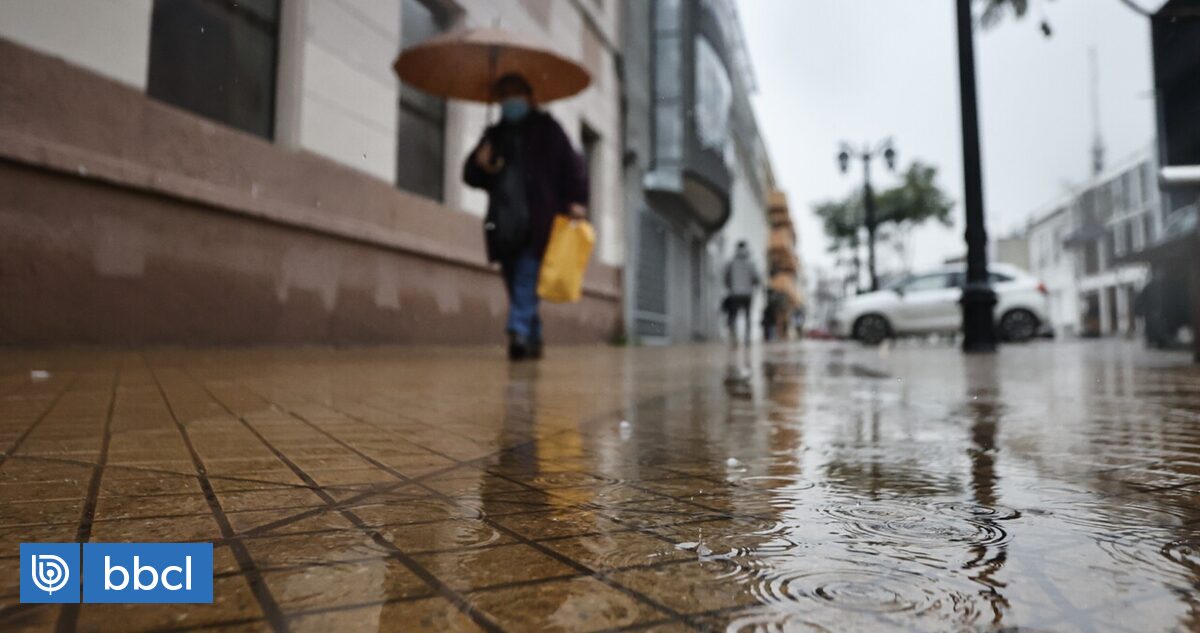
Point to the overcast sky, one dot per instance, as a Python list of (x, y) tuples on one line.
[(862, 70)]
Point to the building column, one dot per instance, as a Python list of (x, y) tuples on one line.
[(289, 73), (1124, 322)]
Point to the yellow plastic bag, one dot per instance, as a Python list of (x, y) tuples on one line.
[(565, 260)]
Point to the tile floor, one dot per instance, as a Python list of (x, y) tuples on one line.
[(1052, 487)]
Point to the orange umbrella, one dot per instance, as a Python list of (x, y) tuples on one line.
[(465, 64)]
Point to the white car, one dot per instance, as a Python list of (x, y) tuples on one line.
[(927, 303)]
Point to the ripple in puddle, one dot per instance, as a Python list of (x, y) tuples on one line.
[(773, 622), (1184, 552), (979, 511), (1106, 515), (915, 524), (867, 590), (1142, 552), (774, 482), (571, 478)]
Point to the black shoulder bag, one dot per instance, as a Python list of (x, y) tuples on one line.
[(506, 225)]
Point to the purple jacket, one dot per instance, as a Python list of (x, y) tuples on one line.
[(555, 175)]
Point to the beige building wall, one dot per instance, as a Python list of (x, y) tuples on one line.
[(109, 37), (336, 93), (339, 97)]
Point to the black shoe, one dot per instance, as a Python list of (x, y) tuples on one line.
[(534, 349), (518, 347)]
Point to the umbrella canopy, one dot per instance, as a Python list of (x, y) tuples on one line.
[(465, 64)]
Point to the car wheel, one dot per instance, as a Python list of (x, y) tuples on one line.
[(1018, 326), (871, 329)]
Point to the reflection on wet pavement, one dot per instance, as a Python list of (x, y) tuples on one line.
[(1052, 487)]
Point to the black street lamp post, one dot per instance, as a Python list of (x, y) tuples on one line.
[(889, 155), (978, 299)]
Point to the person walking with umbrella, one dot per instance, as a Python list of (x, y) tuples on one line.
[(531, 172), (525, 161)]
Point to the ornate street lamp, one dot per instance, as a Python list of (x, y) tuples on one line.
[(866, 154)]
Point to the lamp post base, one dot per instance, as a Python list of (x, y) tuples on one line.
[(979, 330)]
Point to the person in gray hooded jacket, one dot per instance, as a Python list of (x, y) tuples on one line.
[(741, 282)]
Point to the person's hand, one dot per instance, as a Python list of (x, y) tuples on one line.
[(577, 211), (484, 156)]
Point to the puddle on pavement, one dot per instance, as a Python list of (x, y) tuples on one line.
[(957, 498)]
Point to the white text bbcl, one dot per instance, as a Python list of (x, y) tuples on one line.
[(155, 576)]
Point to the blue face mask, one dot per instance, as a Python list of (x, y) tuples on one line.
[(514, 109)]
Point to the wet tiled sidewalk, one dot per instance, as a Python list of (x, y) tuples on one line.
[(1052, 487)]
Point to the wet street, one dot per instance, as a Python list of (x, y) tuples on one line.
[(1053, 487)]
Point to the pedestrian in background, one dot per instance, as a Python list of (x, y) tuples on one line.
[(532, 173), (741, 282), (773, 308)]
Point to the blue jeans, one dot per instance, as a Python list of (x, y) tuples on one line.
[(521, 279)]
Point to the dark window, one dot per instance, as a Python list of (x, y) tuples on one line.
[(1087, 204), (1148, 229), (1146, 180), (216, 58), (652, 267), (1091, 257), (421, 140), (668, 86), (591, 160), (998, 278)]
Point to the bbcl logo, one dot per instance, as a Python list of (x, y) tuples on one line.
[(49, 572), (156, 573)]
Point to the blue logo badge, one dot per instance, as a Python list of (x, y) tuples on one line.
[(49, 572), (148, 572)]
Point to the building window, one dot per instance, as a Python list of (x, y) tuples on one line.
[(421, 127), (217, 58), (668, 77), (714, 97), (1117, 195), (1091, 257), (1087, 205), (1060, 236), (1146, 174), (591, 161)]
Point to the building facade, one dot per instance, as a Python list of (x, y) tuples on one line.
[(1080, 248), (1054, 265), (1173, 299), (697, 176), (254, 172)]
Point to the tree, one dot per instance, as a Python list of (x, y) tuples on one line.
[(916, 200), (994, 10)]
